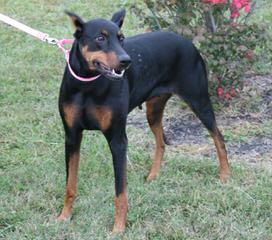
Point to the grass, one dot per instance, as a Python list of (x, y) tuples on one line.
[(238, 133), (185, 202)]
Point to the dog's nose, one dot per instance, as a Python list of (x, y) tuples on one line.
[(125, 61)]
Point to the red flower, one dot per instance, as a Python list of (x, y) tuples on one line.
[(227, 96), (237, 5), (220, 91)]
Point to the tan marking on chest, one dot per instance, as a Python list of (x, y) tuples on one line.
[(70, 112), (103, 116)]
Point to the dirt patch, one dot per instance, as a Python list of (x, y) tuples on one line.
[(185, 133)]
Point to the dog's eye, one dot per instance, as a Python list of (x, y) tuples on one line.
[(100, 39)]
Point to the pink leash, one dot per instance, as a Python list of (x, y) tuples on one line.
[(45, 38)]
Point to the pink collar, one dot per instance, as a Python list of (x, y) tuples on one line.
[(61, 44)]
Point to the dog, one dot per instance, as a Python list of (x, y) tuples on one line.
[(149, 68)]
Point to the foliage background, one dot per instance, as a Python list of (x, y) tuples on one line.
[(232, 48)]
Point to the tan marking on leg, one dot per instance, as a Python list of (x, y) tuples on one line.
[(121, 207), (70, 112), (222, 155), (159, 151), (103, 116), (157, 129), (70, 187)]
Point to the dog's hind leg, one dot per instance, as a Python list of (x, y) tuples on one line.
[(72, 147), (154, 112), (192, 86), (202, 107), (221, 152)]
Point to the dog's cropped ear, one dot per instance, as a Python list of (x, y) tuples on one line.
[(77, 22), (118, 17)]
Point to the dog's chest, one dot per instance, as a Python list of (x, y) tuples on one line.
[(89, 117), (98, 118)]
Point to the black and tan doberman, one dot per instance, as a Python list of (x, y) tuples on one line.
[(148, 68)]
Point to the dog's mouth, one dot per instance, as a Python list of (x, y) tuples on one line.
[(107, 71)]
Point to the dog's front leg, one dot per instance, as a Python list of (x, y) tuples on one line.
[(72, 147), (118, 145)]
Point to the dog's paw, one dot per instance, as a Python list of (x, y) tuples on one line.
[(63, 217), (150, 177), (118, 230), (224, 176)]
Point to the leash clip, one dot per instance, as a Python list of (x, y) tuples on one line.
[(52, 41)]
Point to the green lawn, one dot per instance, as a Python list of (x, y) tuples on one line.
[(185, 202)]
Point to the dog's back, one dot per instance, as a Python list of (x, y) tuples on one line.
[(162, 62)]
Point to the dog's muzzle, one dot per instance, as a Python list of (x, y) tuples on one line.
[(118, 72)]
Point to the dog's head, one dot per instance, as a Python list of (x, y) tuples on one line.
[(101, 44)]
